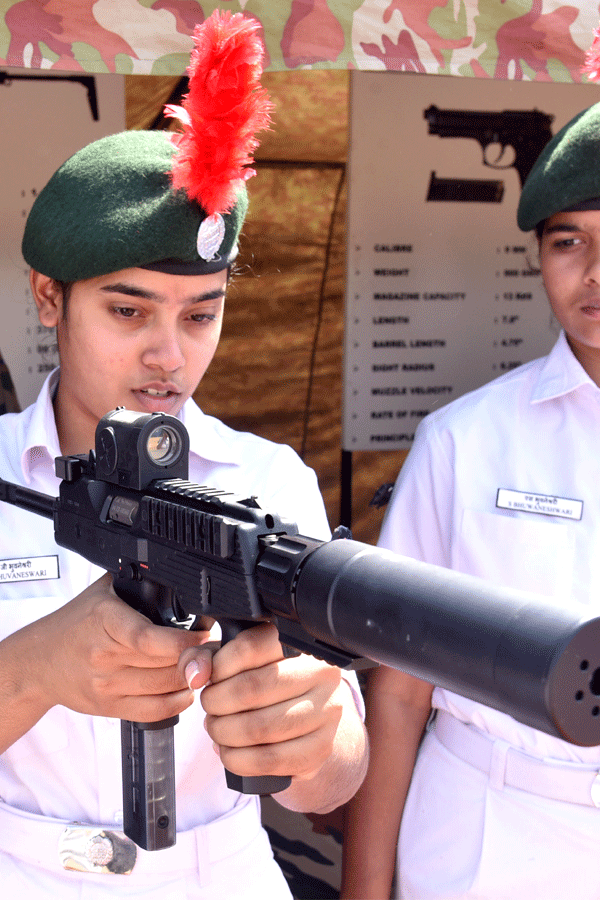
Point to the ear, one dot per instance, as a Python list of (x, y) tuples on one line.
[(48, 297)]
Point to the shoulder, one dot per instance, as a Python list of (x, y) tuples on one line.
[(244, 463), (496, 400), (454, 448), (212, 437), (33, 430), (484, 418)]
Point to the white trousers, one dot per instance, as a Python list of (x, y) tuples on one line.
[(467, 836), (230, 859)]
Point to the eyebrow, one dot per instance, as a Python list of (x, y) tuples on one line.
[(131, 290), (565, 226)]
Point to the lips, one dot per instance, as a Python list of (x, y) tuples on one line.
[(154, 393), (591, 308), (158, 397), (158, 389)]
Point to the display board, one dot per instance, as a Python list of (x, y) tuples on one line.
[(443, 290), (47, 118)]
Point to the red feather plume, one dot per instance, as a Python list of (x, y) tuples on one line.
[(591, 67), (222, 112)]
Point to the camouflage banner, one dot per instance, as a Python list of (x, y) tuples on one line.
[(528, 40)]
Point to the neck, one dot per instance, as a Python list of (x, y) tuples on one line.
[(75, 434)]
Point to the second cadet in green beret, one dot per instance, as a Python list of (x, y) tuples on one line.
[(502, 484)]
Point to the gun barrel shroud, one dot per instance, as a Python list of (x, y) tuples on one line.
[(511, 650)]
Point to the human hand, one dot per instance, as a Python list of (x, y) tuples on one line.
[(266, 714), (97, 655)]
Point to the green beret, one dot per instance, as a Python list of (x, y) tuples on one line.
[(566, 173), (111, 206)]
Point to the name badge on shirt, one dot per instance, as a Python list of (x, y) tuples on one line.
[(29, 568), (544, 504)]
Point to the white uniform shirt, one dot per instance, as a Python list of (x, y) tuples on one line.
[(68, 765), (533, 431)]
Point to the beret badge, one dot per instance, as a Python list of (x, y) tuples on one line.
[(210, 236)]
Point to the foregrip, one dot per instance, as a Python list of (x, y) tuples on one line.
[(250, 784)]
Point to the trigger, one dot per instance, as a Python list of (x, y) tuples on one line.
[(188, 623), (501, 153)]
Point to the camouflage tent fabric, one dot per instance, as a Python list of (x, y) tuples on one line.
[(535, 40)]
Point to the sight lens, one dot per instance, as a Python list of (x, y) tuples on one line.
[(163, 445)]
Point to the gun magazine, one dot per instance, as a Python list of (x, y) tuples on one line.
[(148, 762)]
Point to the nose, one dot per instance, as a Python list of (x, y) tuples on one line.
[(163, 350), (592, 269)]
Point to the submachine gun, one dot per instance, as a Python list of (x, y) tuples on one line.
[(178, 551)]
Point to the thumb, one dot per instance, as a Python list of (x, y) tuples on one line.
[(196, 663)]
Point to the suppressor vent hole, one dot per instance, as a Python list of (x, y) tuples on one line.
[(579, 695), (596, 710), (584, 665), (595, 683)]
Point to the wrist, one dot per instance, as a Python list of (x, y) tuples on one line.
[(338, 779)]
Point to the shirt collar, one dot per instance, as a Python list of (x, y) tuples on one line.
[(560, 374), (41, 446)]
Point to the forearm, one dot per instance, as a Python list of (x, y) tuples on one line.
[(22, 704), (395, 726), (340, 776)]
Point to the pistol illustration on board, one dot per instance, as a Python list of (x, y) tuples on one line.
[(527, 131)]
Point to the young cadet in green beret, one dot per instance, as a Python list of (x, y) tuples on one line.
[(133, 274), (503, 484)]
